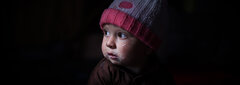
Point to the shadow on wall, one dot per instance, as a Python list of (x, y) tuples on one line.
[(51, 41)]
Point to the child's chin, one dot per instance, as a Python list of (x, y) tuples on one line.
[(115, 62)]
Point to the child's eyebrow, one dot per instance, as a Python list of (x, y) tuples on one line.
[(105, 28), (123, 31)]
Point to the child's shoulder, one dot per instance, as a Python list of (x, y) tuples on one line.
[(105, 67), (104, 64), (103, 73)]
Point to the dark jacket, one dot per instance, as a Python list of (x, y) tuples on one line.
[(106, 73)]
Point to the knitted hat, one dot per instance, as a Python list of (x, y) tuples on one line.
[(136, 17)]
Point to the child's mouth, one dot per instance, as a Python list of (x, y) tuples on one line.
[(112, 56)]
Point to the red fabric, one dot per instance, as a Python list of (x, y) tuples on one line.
[(126, 4)]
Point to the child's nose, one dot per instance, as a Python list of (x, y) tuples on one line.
[(111, 42)]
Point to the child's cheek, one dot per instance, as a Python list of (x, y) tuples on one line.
[(124, 47), (104, 46), (124, 44)]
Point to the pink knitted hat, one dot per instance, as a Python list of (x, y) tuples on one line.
[(136, 17)]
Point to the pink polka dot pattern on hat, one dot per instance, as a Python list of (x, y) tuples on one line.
[(126, 5)]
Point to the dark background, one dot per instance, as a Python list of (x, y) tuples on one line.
[(58, 42)]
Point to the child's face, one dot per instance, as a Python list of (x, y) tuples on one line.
[(120, 47)]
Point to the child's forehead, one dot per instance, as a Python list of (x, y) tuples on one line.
[(112, 27)]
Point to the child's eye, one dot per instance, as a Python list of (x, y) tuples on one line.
[(122, 35), (106, 33)]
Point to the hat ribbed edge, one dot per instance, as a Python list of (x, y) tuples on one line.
[(130, 24)]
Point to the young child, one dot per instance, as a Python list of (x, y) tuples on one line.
[(129, 44)]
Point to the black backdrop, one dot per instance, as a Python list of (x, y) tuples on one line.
[(58, 41)]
